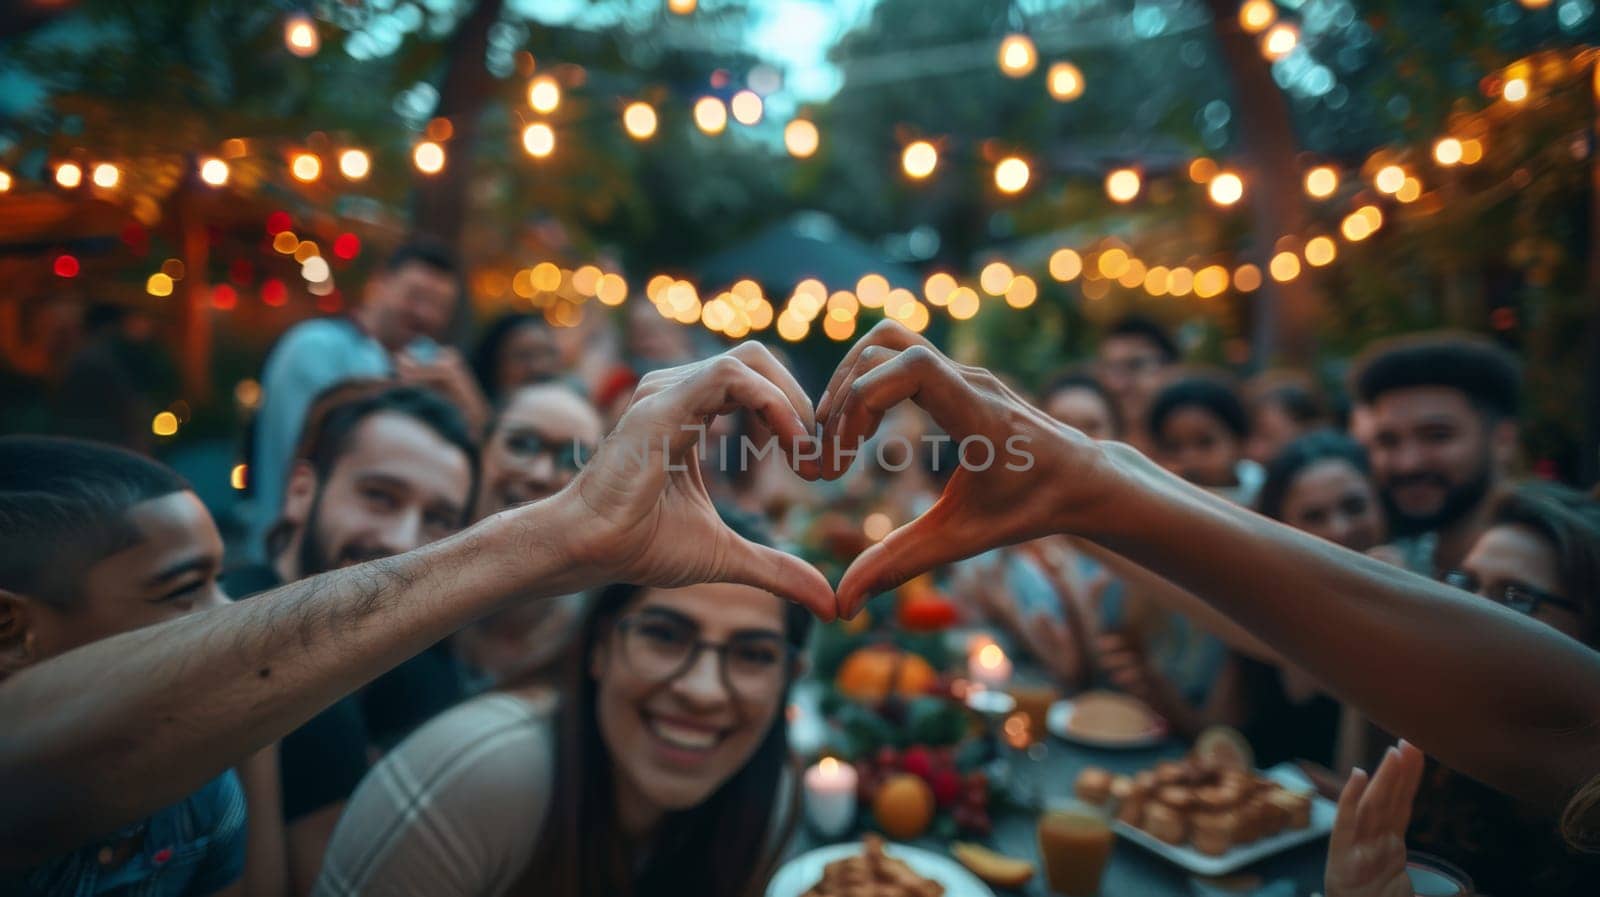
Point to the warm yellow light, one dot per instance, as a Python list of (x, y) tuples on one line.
[(1226, 189), (1022, 292), (1256, 16), (611, 290), (1017, 55), (354, 164), (1389, 179), (1285, 267), (538, 140), (300, 35), (105, 175), (1156, 280), (1133, 275), (5, 181), (544, 94), (801, 138), (710, 115), (164, 423), (214, 172), (963, 303), (1202, 170), (286, 242), (315, 269), (938, 287), (1113, 263), (1447, 151), (918, 319), (900, 303), (791, 328), (805, 306), (1355, 228), (546, 277), (655, 286), (996, 278), (1180, 282), (1321, 251), (1123, 185), (306, 249), (1210, 281), (843, 302), (746, 105), (239, 477), (158, 284), (682, 7), (586, 280), (1247, 278), (305, 167), (1410, 191), (812, 287), (1011, 175), (1065, 264), (1515, 90), (1322, 181), (760, 315), (1280, 41), (1472, 149), (69, 174), (838, 328), (639, 120), (1373, 216), (1065, 82), (919, 159), (873, 290), (1534, 4), (428, 157)]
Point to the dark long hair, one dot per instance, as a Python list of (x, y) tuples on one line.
[(1297, 457), (716, 849)]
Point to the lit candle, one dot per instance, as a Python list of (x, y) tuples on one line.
[(830, 796), (990, 666)]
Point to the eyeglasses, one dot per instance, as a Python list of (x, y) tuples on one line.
[(661, 647), (568, 456), (1520, 598)]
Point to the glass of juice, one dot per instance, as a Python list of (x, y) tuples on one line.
[(1075, 842), (1034, 698)]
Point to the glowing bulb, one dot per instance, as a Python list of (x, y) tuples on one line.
[(538, 140), (1247, 278), (5, 181), (710, 115), (1226, 189), (1022, 292), (1123, 185), (1355, 228), (873, 290), (1515, 90), (164, 424), (214, 172), (1322, 181), (919, 159), (300, 35), (1256, 16), (428, 157), (305, 167), (1447, 151), (791, 328), (682, 7), (938, 287), (611, 290), (1065, 264), (746, 106), (1390, 179), (1321, 251), (544, 94), (1280, 41), (800, 138), (1285, 267), (1534, 4), (1017, 55), (105, 175), (1065, 82), (354, 164), (963, 303), (1210, 281), (69, 174), (239, 477), (995, 278), (315, 269), (158, 284), (639, 120), (1011, 175)]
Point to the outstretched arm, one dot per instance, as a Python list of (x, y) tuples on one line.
[(105, 734), (1486, 690)]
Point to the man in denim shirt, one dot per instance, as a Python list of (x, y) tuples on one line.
[(99, 542)]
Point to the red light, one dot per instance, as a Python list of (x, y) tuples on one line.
[(347, 246), (66, 266), (331, 304), (719, 79), (274, 293), (134, 236), (241, 272), (224, 297), (278, 222)]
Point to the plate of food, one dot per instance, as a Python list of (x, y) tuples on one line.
[(1106, 719), (890, 870), (1211, 819)]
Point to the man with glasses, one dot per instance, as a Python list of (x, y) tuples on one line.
[(1133, 359)]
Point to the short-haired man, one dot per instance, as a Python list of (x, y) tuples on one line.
[(96, 541), (1442, 420), (1133, 359), (385, 471), (405, 308)]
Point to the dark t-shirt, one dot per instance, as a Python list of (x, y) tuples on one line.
[(321, 762), (1280, 729)]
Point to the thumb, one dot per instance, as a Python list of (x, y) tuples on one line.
[(913, 548), (782, 574)]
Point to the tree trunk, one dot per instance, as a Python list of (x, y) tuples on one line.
[(1285, 314)]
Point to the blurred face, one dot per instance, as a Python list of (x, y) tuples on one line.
[(1334, 501), (538, 443), (1518, 558), (410, 302), (1083, 410), (1433, 455), (1131, 369), (654, 341), (398, 486), (1196, 445), (1271, 430), (675, 739), (171, 571), (529, 354)]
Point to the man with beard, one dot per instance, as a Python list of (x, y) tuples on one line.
[(1442, 413), (382, 470)]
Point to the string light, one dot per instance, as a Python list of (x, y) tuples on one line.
[(1065, 82), (300, 35), (1017, 55), (1321, 251), (428, 157), (873, 290), (639, 120), (710, 115), (165, 423), (746, 107), (938, 287), (1247, 278), (963, 304), (682, 7), (1322, 181), (801, 138), (354, 164), (1226, 189), (305, 167), (1447, 151), (105, 175), (1285, 267), (1280, 41), (919, 159), (1390, 179), (5, 182), (1256, 16), (1211, 281), (158, 284), (544, 94), (1011, 175), (1065, 264), (1515, 90), (611, 290), (995, 278), (214, 172), (1202, 170), (538, 140), (69, 175), (1123, 185), (1022, 292)]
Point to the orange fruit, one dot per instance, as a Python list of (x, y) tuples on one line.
[(903, 806), (871, 673)]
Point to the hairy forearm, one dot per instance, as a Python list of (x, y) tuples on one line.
[(1484, 689), (103, 735)]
